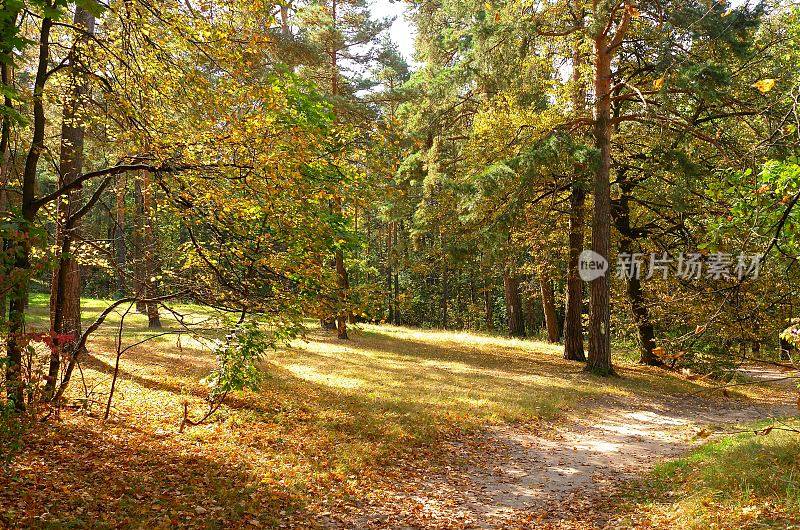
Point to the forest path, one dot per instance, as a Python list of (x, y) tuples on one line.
[(516, 477)]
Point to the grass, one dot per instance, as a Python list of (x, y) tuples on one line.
[(332, 421), (740, 481)]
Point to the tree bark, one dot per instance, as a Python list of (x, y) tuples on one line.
[(599, 360), (5, 167), (641, 315), (573, 321), (151, 255), (119, 235), (146, 247), (516, 321), (285, 29), (488, 305), (644, 327), (549, 306), (342, 280), (139, 244), (65, 289), (343, 285), (785, 349), (444, 301), (21, 250), (389, 272), (573, 307)]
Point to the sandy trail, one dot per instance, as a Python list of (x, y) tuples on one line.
[(510, 476)]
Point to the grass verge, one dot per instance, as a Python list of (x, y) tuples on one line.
[(738, 481)]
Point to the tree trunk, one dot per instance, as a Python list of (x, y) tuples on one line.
[(396, 299), (139, 244), (285, 30), (444, 301), (119, 235), (65, 290), (389, 272), (5, 168), (146, 246), (395, 302), (343, 285), (641, 315), (516, 321), (573, 321), (573, 307), (785, 350), (549, 306), (599, 360), (21, 250), (342, 280), (488, 306), (644, 327), (151, 256)]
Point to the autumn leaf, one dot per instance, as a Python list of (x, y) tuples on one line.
[(765, 85), (658, 83), (704, 433)]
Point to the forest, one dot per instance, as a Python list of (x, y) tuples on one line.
[(400, 264)]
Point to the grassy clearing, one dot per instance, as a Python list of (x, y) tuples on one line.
[(331, 420), (739, 481)]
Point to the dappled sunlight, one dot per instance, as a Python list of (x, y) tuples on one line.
[(474, 377), (432, 368), (341, 416), (337, 381)]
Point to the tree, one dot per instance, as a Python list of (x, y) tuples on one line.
[(345, 37), (65, 295)]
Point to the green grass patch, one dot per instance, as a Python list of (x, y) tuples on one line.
[(739, 481)]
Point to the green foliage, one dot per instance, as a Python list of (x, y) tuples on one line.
[(792, 334), (240, 355)]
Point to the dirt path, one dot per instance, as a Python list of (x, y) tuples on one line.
[(513, 477)]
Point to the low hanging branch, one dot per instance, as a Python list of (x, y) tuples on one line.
[(239, 359), (81, 343), (213, 407)]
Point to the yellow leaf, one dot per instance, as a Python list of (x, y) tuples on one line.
[(727, 13), (765, 85), (658, 83)]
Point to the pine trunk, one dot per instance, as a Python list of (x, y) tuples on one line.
[(573, 321), (599, 360), (488, 307), (639, 312), (516, 321), (549, 307)]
